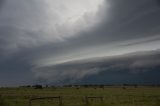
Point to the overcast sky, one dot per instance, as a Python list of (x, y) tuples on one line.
[(52, 41)]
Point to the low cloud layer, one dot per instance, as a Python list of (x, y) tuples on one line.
[(134, 63)]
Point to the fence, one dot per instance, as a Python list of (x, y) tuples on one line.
[(87, 98), (59, 98)]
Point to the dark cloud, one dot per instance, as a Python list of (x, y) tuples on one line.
[(15, 71), (134, 63), (121, 77), (31, 37), (124, 20), (129, 20), (158, 1)]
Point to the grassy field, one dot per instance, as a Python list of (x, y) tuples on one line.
[(112, 96)]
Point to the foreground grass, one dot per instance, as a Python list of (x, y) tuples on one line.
[(112, 96)]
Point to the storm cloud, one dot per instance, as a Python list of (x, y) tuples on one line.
[(133, 63), (57, 40)]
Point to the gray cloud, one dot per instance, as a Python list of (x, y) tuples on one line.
[(128, 20), (143, 41), (1, 3), (36, 23), (38, 33)]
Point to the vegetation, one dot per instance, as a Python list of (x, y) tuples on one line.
[(81, 96)]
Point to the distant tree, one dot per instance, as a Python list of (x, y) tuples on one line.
[(135, 85), (86, 86), (25, 86), (125, 84), (46, 86), (37, 86), (101, 86)]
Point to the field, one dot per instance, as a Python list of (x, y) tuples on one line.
[(108, 96)]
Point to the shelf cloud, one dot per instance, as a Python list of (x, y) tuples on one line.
[(133, 63)]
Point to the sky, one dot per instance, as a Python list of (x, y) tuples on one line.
[(79, 41)]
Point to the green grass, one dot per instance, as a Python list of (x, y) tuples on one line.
[(113, 96)]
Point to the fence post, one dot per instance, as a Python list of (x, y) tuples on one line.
[(101, 99), (92, 97), (60, 101), (86, 100), (30, 102)]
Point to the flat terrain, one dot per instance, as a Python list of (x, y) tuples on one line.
[(112, 96)]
